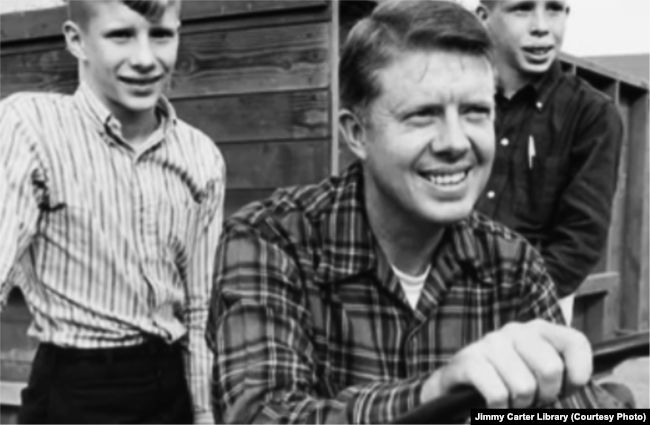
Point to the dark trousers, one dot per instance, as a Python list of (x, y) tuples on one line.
[(141, 384)]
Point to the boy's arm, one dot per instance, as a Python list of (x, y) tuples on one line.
[(18, 204), (579, 226), (198, 360)]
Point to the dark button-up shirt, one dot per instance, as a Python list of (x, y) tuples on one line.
[(309, 324), (555, 172)]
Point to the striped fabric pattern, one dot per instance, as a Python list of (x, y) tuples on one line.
[(109, 243), (309, 324)]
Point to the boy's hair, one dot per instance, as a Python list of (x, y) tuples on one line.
[(489, 3), (80, 11), (401, 26)]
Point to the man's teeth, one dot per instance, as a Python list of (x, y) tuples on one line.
[(447, 179)]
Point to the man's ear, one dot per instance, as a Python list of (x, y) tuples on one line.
[(354, 133), (482, 13), (73, 39)]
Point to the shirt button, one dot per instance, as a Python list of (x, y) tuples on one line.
[(490, 194), (539, 105), (505, 142)]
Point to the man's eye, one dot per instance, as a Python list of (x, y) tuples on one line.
[(119, 35), (478, 112)]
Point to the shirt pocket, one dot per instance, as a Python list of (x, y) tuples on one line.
[(537, 189), (180, 224)]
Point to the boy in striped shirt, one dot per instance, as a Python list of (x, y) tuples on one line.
[(111, 212)]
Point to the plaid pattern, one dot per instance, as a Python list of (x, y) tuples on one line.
[(309, 324)]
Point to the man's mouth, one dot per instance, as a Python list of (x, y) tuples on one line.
[(440, 178), (141, 81)]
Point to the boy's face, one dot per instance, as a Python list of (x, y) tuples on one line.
[(528, 34), (127, 59)]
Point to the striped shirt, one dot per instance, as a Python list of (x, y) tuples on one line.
[(109, 244), (309, 323)]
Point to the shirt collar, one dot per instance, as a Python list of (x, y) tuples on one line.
[(350, 248), (102, 118), (541, 88)]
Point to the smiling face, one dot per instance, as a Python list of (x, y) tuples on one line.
[(427, 141), (527, 34), (126, 58)]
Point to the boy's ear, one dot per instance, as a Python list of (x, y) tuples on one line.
[(354, 133), (73, 40)]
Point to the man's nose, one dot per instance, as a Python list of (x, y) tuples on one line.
[(452, 141)]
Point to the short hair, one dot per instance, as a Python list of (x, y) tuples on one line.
[(489, 3), (80, 11), (398, 26)]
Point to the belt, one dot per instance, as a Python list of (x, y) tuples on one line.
[(152, 348)]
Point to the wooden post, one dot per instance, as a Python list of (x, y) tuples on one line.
[(634, 256)]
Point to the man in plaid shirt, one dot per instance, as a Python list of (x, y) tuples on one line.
[(360, 298)]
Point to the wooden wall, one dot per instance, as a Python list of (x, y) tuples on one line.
[(256, 76)]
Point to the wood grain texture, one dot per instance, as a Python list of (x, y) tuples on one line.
[(237, 198), (248, 61), (634, 269), (270, 165), (47, 22), (259, 117), (48, 71)]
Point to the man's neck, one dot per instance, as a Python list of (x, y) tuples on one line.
[(408, 243)]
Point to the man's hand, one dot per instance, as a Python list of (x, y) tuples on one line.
[(520, 365)]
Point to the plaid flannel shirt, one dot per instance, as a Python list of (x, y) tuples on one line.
[(308, 323)]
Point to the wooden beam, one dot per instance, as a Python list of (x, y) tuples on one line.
[(259, 117), (256, 60), (263, 165), (634, 267), (10, 392), (46, 23), (598, 284)]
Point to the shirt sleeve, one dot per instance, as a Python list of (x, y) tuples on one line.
[(18, 204), (540, 301), (580, 223), (259, 331), (198, 360)]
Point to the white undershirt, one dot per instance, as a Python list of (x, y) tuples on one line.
[(412, 285)]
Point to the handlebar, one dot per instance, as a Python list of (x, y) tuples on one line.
[(455, 407)]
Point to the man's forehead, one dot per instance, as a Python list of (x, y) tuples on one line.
[(415, 77)]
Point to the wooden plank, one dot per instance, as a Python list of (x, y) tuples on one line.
[(598, 301), (598, 284), (258, 60), (334, 87), (50, 71), (237, 198), (616, 227), (267, 116), (600, 69), (201, 9), (262, 165), (47, 22), (10, 392), (634, 270)]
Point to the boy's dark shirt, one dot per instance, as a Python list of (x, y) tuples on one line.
[(563, 204)]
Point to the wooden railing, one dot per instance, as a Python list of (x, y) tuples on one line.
[(614, 299)]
